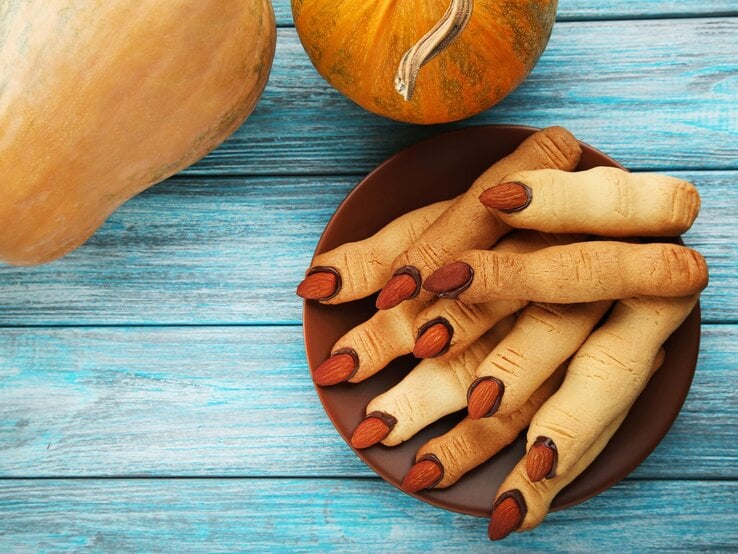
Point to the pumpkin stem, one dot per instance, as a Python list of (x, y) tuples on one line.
[(431, 44)]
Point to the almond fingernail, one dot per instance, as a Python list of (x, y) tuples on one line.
[(540, 463), (434, 339), (374, 428), (426, 473), (321, 283), (508, 515), (484, 396), (340, 367), (404, 285), (507, 197), (450, 280)]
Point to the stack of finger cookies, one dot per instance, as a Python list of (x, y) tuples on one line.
[(534, 299)]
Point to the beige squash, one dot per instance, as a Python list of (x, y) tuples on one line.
[(99, 100)]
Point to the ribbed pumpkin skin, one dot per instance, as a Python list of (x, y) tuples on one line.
[(356, 45), (100, 100)]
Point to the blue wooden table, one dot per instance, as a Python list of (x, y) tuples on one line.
[(154, 393)]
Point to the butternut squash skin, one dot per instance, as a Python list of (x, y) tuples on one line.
[(357, 45), (99, 100)]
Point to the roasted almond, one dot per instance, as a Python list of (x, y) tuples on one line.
[(450, 280), (319, 285), (427, 472), (432, 341), (507, 197), (540, 463), (507, 516), (373, 429), (336, 369), (484, 397), (402, 286)]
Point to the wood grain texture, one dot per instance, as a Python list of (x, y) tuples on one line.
[(635, 9), (213, 250), (238, 401), (586, 9), (651, 93), (325, 515), (227, 244)]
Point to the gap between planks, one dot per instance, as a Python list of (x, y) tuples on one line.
[(194, 175), (604, 11), (295, 323), (606, 18), (226, 477)]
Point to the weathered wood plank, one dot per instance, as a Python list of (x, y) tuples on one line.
[(586, 9), (652, 93), (214, 251), (635, 9), (322, 515), (237, 401)]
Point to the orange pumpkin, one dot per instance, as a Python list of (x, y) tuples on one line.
[(424, 61), (100, 100)]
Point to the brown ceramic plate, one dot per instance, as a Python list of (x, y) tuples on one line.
[(437, 169)]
